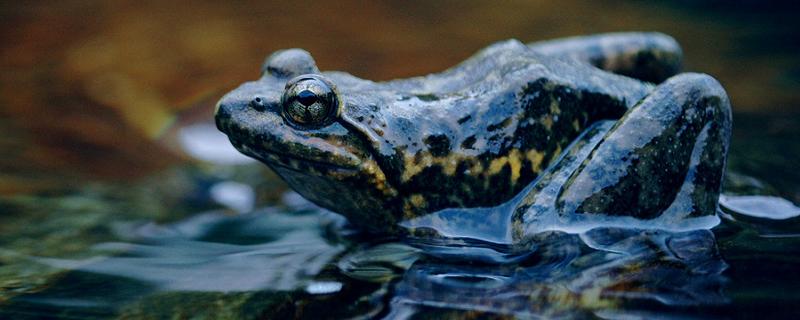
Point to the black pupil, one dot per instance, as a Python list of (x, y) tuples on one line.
[(306, 97)]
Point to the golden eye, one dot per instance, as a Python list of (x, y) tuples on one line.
[(309, 101)]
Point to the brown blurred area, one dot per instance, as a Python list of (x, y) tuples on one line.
[(88, 88)]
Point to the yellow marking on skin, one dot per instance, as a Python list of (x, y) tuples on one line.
[(557, 151), (427, 160), (555, 109), (411, 168), (448, 163), (547, 121), (417, 200), (450, 166), (576, 125), (515, 162), (496, 165), (412, 205), (378, 178), (476, 169), (535, 157), (408, 212)]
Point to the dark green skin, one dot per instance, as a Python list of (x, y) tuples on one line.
[(484, 133)]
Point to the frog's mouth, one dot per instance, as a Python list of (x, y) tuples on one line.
[(287, 150), (298, 164)]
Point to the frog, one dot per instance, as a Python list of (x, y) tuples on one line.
[(519, 139)]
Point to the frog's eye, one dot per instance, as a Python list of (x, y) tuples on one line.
[(309, 101)]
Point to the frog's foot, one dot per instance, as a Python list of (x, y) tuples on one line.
[(651, 57), (662, 162)]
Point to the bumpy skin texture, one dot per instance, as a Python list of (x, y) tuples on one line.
[(480, 133)]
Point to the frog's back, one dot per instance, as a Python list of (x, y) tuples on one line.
[(478, 133), (505, 64)]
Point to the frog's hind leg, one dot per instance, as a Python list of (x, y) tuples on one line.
[(651, 56), (663, 159)]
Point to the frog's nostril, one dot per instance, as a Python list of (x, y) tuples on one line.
[(258, 103)]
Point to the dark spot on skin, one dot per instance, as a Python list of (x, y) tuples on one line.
[(373, 108), (438, 145), (468, 142), (464, 119), (535, 99), (496, 126), (536, 135), (527, 166), (360, 119), (605, 107), (432, 176), (649, 66), (427, 97), (465, 175), (500, 182)]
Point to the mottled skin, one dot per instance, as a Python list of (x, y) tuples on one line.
[(480, 133)]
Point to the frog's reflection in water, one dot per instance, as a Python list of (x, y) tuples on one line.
[(307, 259), (598, 271)]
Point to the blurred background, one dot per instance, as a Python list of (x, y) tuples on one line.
[(93, 90)]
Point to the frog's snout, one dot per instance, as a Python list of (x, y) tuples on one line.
[(221, 114), (225, 111)]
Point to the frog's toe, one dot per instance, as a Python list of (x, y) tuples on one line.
[(664, 158)]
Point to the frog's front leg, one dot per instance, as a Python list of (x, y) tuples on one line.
[(651, 57), (663, 159)]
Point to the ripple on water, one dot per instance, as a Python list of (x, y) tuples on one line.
[(263, 251), (766, 207)]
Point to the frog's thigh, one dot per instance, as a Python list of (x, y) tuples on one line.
[(651, 57), (672, 145)]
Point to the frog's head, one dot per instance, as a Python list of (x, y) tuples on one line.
[(293, 119)]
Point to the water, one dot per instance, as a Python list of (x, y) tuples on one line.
[(118, 198), (297, 259)]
